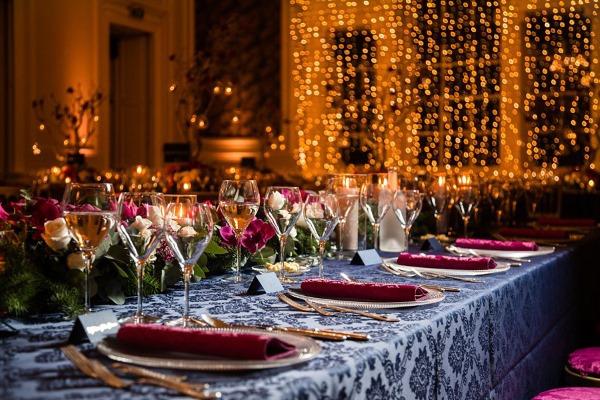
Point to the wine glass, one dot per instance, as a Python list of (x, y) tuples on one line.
[(466, 199), (188, 229), (239, 201), (375, 199), (283, 205), (141, 229), (346, 189), (90, 212), (321, 212), (438, 197), (407, 206)]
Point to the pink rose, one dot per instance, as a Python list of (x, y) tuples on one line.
[(256, 235), (3, 214), (128, 211), (44, 210)]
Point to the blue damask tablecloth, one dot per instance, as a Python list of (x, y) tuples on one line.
[(506, 338)]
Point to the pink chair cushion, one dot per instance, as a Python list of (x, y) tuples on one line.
[(570, 393), (586, 361)]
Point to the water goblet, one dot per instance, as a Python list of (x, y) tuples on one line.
[(407, 206), (141, 229), (346, 189), (239, 201), (188, 229), (466, 200), (321, 212), (283, 205), (90, 212), (375, 199)]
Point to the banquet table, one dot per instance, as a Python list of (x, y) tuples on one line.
[(507, 338)]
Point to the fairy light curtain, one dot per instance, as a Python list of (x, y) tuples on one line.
[(447, 84)]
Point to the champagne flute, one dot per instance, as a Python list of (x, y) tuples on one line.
[(239, 201), (321, 212), (346, 189), (376, 199), (438, 197), (283, 205), (467, 198), (90, 212), (188, 228), (407, 206), (141, 229)]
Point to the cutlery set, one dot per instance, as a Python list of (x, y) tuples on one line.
[(95, 369)]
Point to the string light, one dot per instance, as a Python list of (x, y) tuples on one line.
[(438, 85)]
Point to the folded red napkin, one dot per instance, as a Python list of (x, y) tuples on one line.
[(485, 244), (433, 261), (566, 221), (362, 291), (236, 345), (534, 233)]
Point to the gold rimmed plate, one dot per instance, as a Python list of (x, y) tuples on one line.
[(307, 348), (432, 297)]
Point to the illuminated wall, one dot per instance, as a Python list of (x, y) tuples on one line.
[(443, 85)]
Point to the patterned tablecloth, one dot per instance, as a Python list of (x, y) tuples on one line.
[(506, 338)]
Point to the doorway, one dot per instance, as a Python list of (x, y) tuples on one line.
[(130, 97)]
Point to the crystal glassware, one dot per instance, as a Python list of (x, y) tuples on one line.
[(346, 189), (238, 202), (282, 206), (407, 206), (439, 196), (90, 212), (376, 200), (188, 229), (321, 212), (466, 200), (141, 229)]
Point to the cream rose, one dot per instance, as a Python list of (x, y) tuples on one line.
[(56, 234), (276, 200), (76, 261), (156, 215), (187, 231), (141, 224)]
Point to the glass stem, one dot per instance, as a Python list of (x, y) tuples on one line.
[(341, 239), (87, 260), (438, 224), (140, 286), (376, 236), (187, 273), (407, 236), (238, 249), (466, 222), (321, 256), (282, 241)]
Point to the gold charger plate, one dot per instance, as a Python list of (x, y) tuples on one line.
[(307, 348)]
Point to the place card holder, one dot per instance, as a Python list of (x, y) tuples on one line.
[(366, 257), (94, 327), (432, 244), (265, 283)]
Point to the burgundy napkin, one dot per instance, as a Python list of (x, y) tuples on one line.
[(433, 261), (534, 233), (566, 221), (362, 291), (236, 345), (484, 244)]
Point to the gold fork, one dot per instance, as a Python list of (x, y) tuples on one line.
[(93, 368)]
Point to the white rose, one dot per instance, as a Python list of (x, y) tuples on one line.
[(141, 224), (76, 261), (156, 215), (314, 210), (146, 233), (56, 234), (276, 200), (187, 231), (296, 208), (293, 232)]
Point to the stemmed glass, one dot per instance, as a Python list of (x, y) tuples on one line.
[(90, 212), (466, 199), (407, 206), (376, 199), (283, 205), (239, 201), (188, 228), (438, 197), (141, 229), (321, 212), (346, 189)]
